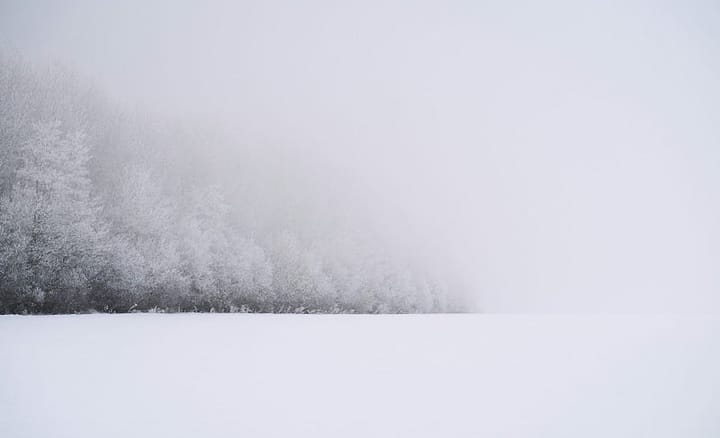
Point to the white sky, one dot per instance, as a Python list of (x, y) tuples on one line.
[(562, 155)]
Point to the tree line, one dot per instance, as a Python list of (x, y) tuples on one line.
[(103, 209)]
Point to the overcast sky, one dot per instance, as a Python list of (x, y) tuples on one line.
[(562, 156)]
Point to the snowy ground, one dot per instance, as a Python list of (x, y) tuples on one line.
[(358, 376)]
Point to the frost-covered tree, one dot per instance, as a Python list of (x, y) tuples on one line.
[(51, 220), (147, 254), (299, 280), (224, 269)]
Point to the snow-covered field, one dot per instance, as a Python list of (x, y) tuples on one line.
[(241, 375)]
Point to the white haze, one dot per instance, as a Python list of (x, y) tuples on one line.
[(554, 156)]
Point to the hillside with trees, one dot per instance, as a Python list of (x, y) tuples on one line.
[(108, 210)]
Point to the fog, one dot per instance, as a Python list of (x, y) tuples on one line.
[(544, 156)]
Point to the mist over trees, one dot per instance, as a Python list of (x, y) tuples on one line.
[(103, 209)]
